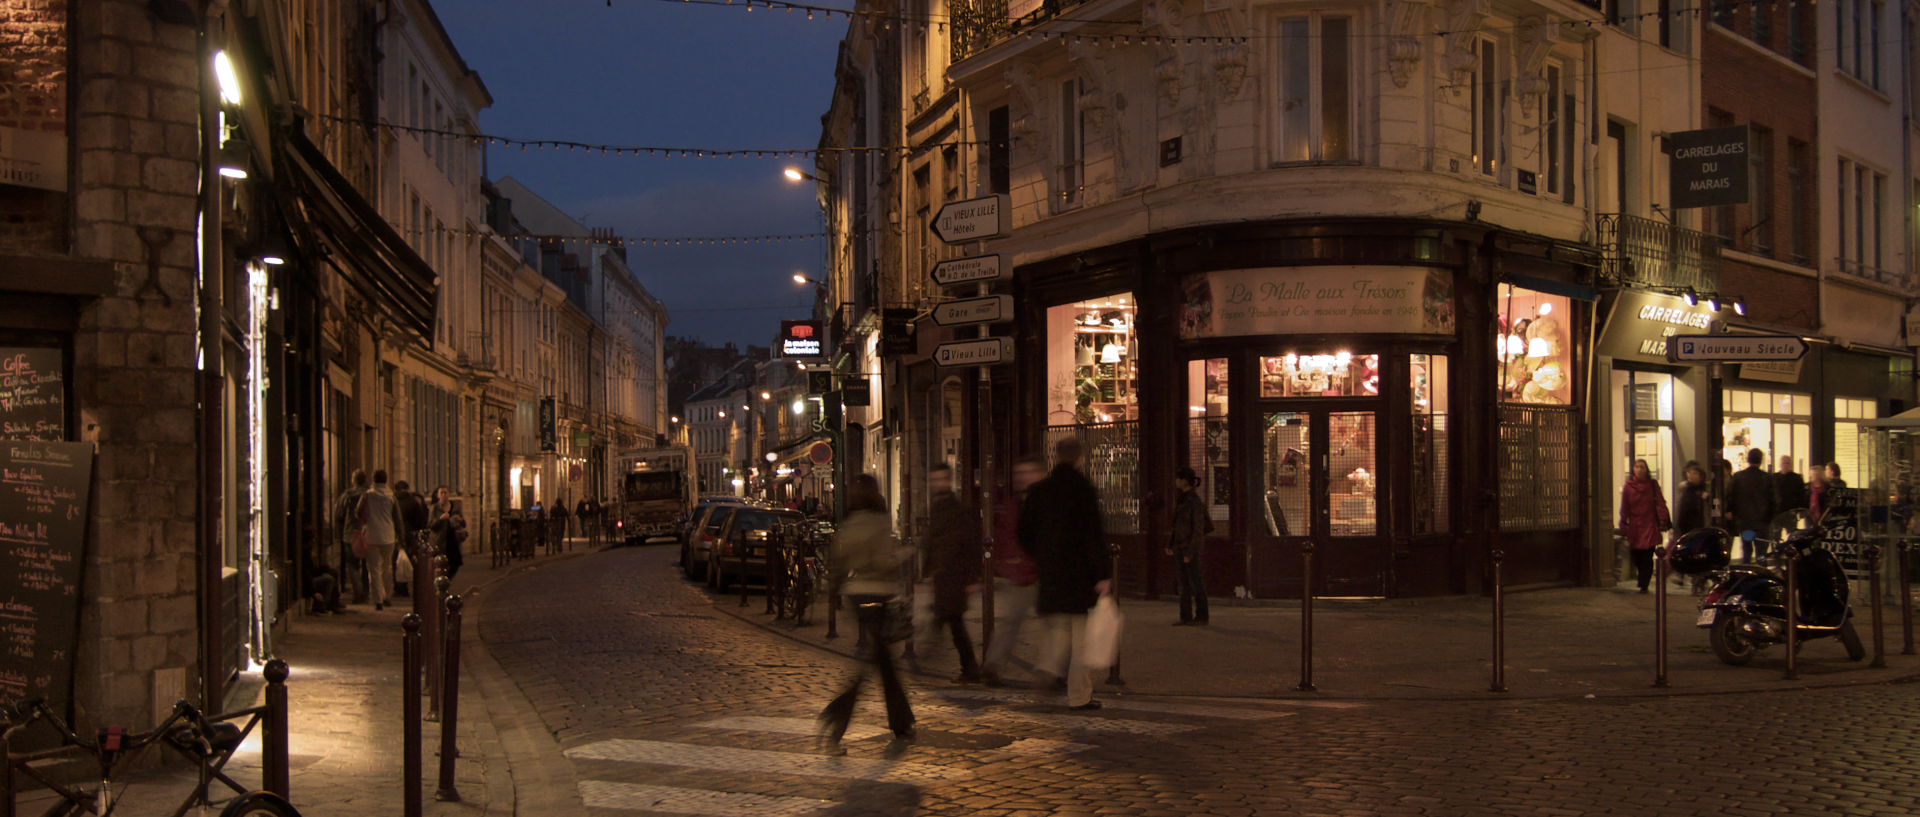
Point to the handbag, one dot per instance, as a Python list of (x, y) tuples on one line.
[(1101, 647), (360, 544)]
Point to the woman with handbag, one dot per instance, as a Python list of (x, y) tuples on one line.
[(866, 560), (1643, 517)]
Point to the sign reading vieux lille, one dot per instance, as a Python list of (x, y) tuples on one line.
[(1734, 348), (977, 269), (981, 352), (991, 309), (972, 220), (1709, 167)]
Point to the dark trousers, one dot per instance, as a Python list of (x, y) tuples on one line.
[(962, 643), (1193, 591), (871, 611), (1642, 565), (356, 574)]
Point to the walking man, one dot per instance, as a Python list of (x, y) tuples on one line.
[(1750, 502), (346, 520), (379, 513), (956, 558), (1190, 528), (1013, 570), (1061, 521)]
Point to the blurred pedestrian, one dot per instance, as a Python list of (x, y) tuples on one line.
[(866, 560), (1750, 502), (1789, 490), (1061, 521), (1833, 476), (1014, 572), (449, 530), (560, 515), (1643, 517), (346, 523), (584, 512), (1818, 485), (1691, 506), (956, 556), (1190, 528), (379, 514)]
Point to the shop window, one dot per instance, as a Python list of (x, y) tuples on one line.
[(1534, 348), (1113, 466), (1428, 384), (1341, 374), (1092, 362), (1351, 474), (1536, 467), (1847, 414), (1777, 423), (1208, 434)]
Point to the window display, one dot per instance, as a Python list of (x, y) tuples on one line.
[(1208, 433), (1092, 362), (1428, 384), (1847, 412), (1534, 348), (1341, 374), (1777, 423)]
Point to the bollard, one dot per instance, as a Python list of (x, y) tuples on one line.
[(1499, 626), (450, 717), (1660, 568), (1306, 617), (986, 598), (1792, 555), (767, 577), (1872, 554), (410, 715), (1906, 600), (436, 672), (273, 733), (1113, 672)]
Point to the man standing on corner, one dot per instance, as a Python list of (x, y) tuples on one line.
[(1062, 523), (1190, 529)]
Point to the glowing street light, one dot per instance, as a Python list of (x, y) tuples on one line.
[(795, 174)]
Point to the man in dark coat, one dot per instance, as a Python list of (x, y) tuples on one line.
[(1061, 523), (1190, 528), (955, 556), (1789, 490), (1750, 502)]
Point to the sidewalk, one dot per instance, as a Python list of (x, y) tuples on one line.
[(1560, 643), (345, 746)]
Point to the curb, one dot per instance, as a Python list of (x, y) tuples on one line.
[(538, 779)]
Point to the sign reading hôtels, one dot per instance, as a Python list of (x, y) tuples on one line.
[(991, 309), (978, 269), (1734, 348), (1710, 167), (981, 352), (972, 220)]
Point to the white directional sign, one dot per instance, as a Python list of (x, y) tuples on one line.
[(1734, 348), (969, 270), (972, 220), (980, 352), (991, 309)]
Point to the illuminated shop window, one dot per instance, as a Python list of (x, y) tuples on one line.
[(1341, 374), (1093, 362), (1534, 349)]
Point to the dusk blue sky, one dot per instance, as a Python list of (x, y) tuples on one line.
[(664, 73)]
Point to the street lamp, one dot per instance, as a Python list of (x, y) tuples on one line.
[(801, 278), (795, 174), (766, 395)]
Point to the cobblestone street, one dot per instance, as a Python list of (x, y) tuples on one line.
[(664, 704)]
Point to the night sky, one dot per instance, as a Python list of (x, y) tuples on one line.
[(654, 72)]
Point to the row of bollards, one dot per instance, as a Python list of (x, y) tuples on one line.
[(430, 658)]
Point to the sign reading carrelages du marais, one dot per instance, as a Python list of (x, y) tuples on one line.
[(1710, 167), (1641, 322)]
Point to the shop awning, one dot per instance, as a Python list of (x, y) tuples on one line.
[(1578, 292), (376, 261), (1906, 419)]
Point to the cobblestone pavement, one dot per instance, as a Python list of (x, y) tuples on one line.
[(665, 705)]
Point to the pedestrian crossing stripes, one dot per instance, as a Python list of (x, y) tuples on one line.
[(805, 726), (674, 800), (1195, 710), (1057, 720), (759, 761)]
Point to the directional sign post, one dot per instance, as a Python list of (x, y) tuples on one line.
[(991, 309), (972, 220), (982, 352), (1733, 348), (975, 270)]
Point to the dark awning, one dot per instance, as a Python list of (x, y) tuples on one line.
[(1578, 292), (376, 261)]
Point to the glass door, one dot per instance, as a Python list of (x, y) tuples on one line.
[(1319, 482)]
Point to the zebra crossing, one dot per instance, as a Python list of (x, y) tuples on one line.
[(765, 745)]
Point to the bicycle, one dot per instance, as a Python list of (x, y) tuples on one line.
[(806, 571), (209, 743)]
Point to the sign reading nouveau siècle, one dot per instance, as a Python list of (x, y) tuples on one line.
[(1334, 299)]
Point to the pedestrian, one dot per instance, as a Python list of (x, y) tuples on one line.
[(1190, 528), (1643, 517), (1750, 501), (379, 514), (346, 522), (560, 515), (1789, 490), (866, 560), (1833, 476), (956, 555), (1818, 485), (1015, 575), (1721, 478), (1061, 523), (584, 512), (449, 529)]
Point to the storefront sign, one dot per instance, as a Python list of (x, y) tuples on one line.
[(33, 159), (991, 309), (972, 220), (1734, 348), (801, 339), (549, 438), (1774, 371), (969, 270), (857, 392), (1307, 300), (1709, 167), (1640, 323), (43, 521), (33, 394), (980, 352)]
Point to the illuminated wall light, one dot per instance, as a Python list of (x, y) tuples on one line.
[(228, 78), (799, 407), (232, 172), (1739, 306), (272, 260)]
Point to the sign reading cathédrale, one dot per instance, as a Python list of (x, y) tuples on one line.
[(1710, 167), (1296, 300)]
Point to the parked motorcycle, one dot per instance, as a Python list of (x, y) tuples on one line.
[(1746, 609)]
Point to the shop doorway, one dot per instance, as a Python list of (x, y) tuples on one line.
[(1318, 481)]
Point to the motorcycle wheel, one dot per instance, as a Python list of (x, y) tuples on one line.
[(1729, 644), (1851, 640)]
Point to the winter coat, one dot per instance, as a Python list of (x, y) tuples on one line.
[(380, 513), (1789, 491), (447, 533), (1690, 508), (1010, 559), (955, 553), (1750, 500), (1190, 525), (414, 512), (1643, 513), (1061, 526), (346, 514), (1817, 499), (864, 555)]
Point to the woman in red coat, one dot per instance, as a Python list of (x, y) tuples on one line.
[(1643, 517)]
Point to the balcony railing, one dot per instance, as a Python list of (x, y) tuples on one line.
[(1643, 252), (1897, 279), (978, 24)]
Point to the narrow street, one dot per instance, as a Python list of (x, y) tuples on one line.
[(665, 705)]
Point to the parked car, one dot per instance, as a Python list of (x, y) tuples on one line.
[(701, 535), (694, 518), (743, 543)]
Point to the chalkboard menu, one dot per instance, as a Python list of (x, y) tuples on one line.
[(43, 524), (33, 394)]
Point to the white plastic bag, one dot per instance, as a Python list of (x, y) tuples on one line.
[(1101, 647), (403, 568)]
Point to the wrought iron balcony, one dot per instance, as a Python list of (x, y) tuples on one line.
[(978, 24), (1652, 254)]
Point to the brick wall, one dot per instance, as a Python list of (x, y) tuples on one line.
[(1773, 296), (33, 96)]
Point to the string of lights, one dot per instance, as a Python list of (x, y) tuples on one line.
[(623, 241), (658, 151)]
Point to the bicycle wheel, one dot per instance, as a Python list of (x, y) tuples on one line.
[(260, 804)]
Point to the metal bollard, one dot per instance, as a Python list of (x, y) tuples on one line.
[(1306, 618), (1792, 555), (436, 672), (1113, 672), (1499, 683), (1660, 567), (1872, 554), (410, 715), (450, 717), (986, 599), (277, 775), (1906, 600), (767, 576)]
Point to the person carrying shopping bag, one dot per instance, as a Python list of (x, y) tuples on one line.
[(1061, 522), (866, 559)]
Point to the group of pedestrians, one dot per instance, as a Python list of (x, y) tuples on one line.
[(370, 523), (1746, 503)]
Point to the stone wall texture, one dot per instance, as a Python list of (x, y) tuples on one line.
[(33, 97)]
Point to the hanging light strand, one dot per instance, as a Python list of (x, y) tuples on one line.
[(656, 151)]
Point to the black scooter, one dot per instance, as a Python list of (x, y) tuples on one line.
[(1746, 609)]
